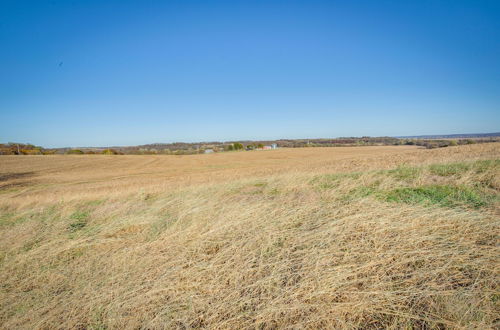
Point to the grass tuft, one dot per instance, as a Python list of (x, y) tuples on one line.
[(81, 218)]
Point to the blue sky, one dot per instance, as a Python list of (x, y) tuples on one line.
[(97, 73)]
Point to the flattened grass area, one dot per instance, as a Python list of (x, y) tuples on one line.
[(398, 246)]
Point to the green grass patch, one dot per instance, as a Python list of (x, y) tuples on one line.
[(80, 220), (358, 193), (361, 192), (457, 169), (482, 166), (7, 218), (443, 195), (405, 173), (449, 169), (404, 190), (45, 216)]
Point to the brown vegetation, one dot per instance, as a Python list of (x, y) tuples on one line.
[(365, 237)]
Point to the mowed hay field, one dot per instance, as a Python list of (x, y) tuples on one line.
[(361, 237)]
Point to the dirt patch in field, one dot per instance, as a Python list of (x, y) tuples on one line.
[(13, 176), (11, 180)]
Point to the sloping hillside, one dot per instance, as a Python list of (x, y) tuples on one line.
[(308, 238)]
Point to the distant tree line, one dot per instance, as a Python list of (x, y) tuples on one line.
[(93, 152), (441, 143), (13, 148), (182, 148)]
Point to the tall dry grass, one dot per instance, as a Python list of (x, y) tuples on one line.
[(306, 238)]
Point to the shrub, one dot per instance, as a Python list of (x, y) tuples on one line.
[(109, 152), (74, 152)]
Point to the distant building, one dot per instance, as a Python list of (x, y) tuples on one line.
[(274, 146), (209, 151), (267, 147)]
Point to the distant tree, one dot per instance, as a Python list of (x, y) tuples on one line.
[(430, 145), (109, 152), (237, 146), (74, 152), (260, 146)]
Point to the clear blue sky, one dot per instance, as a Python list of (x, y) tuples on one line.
[(97, 73)]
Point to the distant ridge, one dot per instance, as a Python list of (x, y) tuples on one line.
[(451, 136), (188, 148)]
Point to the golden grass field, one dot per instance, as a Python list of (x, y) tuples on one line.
[(354, 237)]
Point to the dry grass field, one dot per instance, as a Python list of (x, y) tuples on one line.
[(361, 237)]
